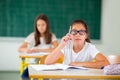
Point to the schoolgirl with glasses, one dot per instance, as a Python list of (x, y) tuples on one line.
[(77, 49)]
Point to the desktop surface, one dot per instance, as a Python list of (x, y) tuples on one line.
[(90, 73)]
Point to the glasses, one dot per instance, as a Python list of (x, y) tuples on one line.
[(81, 32)]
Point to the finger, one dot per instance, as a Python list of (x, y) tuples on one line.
[(69, 35), (66, 39)]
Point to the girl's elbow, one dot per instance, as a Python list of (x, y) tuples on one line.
[(19, 49), (106, 63), (47, 62)]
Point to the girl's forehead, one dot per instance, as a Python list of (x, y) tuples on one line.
[(40, 21), (78, 26)]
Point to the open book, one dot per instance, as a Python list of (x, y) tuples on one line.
[(43, 67)]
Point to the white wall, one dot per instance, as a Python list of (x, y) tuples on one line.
[(109, 43), (110, 27), (9, 56)]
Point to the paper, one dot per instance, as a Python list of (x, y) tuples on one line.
[(36, 54), (43, 67)]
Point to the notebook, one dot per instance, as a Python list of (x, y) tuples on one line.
[(43, 67)]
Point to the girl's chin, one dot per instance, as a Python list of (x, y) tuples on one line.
[(42, 32), (78, 39)]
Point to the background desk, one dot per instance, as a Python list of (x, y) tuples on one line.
[(24, 62), (88, 74)]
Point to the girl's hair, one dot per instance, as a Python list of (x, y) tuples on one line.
[(48, 34), (84, 24)]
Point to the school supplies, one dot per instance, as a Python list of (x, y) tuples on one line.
[(112, 69)]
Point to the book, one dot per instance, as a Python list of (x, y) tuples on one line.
[(43, 67)]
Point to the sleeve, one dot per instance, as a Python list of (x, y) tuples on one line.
[(30, 38), (54, 38), (66, 49), (93, 51)]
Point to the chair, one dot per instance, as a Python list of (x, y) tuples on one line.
[(60, 60), (113, 59)]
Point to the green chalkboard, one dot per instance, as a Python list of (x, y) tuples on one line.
[(17, 16)]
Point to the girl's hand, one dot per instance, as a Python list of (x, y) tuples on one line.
[(73, 64), (32, 50), (35, 50), (65, 40), (28, 51), (77, 64)]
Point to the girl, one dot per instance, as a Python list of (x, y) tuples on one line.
[(41, 40), (77, 49)]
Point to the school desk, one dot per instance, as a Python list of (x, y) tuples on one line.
[(25, 59), (78, 74)]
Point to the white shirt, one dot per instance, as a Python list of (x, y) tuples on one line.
[(88, 53), (31, 42)]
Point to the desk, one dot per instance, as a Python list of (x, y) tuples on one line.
[(90, 73), (23, 56)]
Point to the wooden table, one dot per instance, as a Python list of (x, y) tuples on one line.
[(83, 74)]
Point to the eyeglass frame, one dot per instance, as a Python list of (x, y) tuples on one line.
[(81, 32)]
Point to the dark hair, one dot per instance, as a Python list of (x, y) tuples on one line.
[(48, 34), (84, 24)]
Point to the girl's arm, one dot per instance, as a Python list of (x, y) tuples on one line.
[(56, 54), (23, 48), (100, 61), (53, 56)]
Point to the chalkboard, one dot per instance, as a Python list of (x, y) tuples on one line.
[(17, 16)]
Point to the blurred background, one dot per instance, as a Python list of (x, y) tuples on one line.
[(17, 21)]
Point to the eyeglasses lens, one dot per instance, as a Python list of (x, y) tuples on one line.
[(81, 32)]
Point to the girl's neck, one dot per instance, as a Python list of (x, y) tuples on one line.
[(42, 35), (78, 47)]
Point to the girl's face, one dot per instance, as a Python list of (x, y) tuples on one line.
[(78, 33), (41, 26)]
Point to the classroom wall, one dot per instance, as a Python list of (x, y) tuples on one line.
[(109, 43)]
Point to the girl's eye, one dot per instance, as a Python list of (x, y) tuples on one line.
[(81, 32)]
